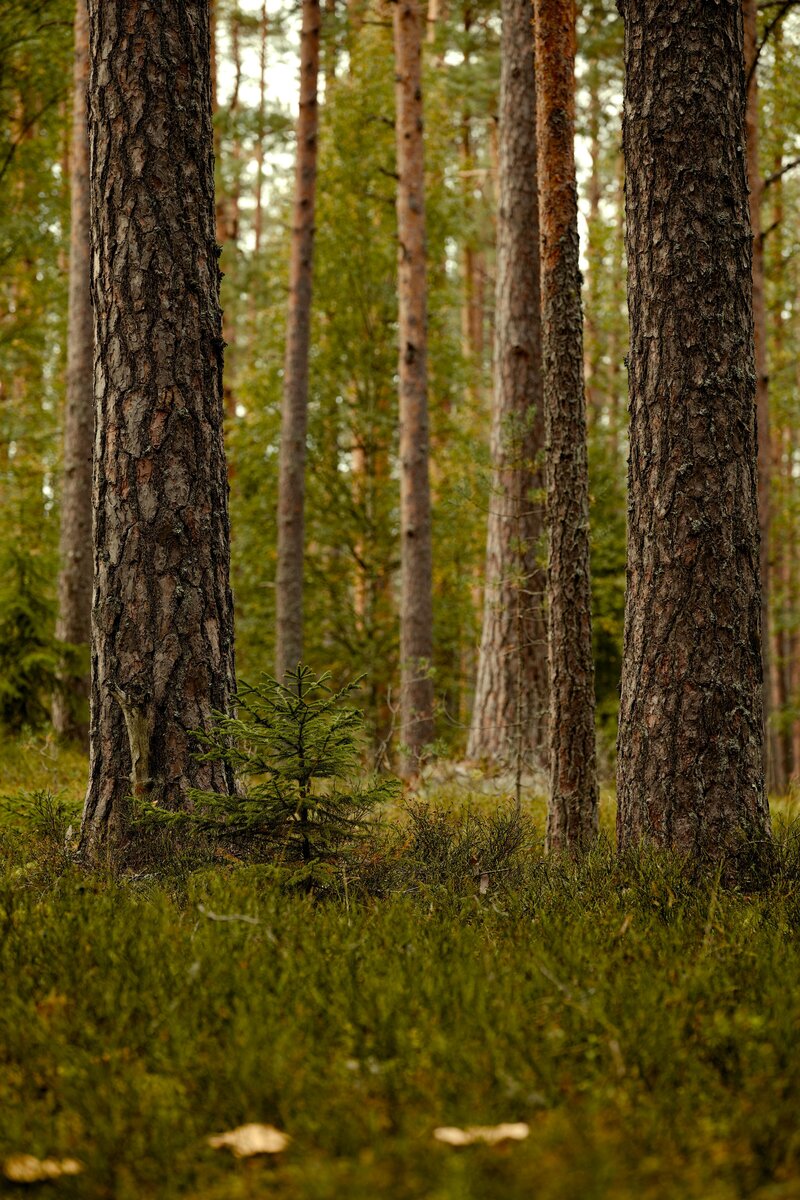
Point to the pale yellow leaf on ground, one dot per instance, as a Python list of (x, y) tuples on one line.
[(514, 1131), (26, 1168), (252, 1139)]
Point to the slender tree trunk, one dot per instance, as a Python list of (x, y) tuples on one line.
[(572, 807), (794, 551), (781, 473), (473, 265), (219, 211), (294, 420), (71, 700), (416, 605), (690, 765), (228, 215), (258, 218), (775, 271), (616, 337), (509, 719), (750, 15), (162, 621), (330, 48), (592, 342)]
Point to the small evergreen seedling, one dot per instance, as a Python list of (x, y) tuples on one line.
[(295, 749)]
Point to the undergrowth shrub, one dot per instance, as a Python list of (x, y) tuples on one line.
[(304, 802)]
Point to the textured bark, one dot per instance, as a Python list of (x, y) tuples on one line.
[(572, 806), (71, 699), (162, 621), (509, 719), (294, 420), (416, 605), (750, 15), (690, 765)]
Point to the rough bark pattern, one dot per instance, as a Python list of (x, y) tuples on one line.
[(690, 768), (71, 700), (294, 420), (572, 807), (509, 720), (162, 628), (750, 14), (416, 605)]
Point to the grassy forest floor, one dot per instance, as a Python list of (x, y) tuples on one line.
[(645, 1027)]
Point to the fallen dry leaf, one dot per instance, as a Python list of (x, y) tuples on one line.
[(490, 1134), (248, 1140), (26, 1168)]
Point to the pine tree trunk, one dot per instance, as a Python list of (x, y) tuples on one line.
[(71, 700), (593, 349), (330, 49), (294, 421), (509, 720), (794, 552), (258, 218), (572, 806), (775, 271), (690, 766), (227, 217), (162, 621), (750, 15), (416, 605)]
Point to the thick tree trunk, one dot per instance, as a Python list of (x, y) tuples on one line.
[(509, 719), (750, 15), (572, 806), (690, 767), (416, 606), (71, 700), (294, 420), (162, 627)]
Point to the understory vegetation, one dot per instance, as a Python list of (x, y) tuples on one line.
[(646, 1027)]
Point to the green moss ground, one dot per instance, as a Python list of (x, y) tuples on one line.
[(647, 1029)]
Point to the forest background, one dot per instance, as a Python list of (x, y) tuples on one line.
[(635, 1016), (352, 537)]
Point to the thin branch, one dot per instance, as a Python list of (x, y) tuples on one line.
[(27, 127), (783, 8), (780, 174)]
